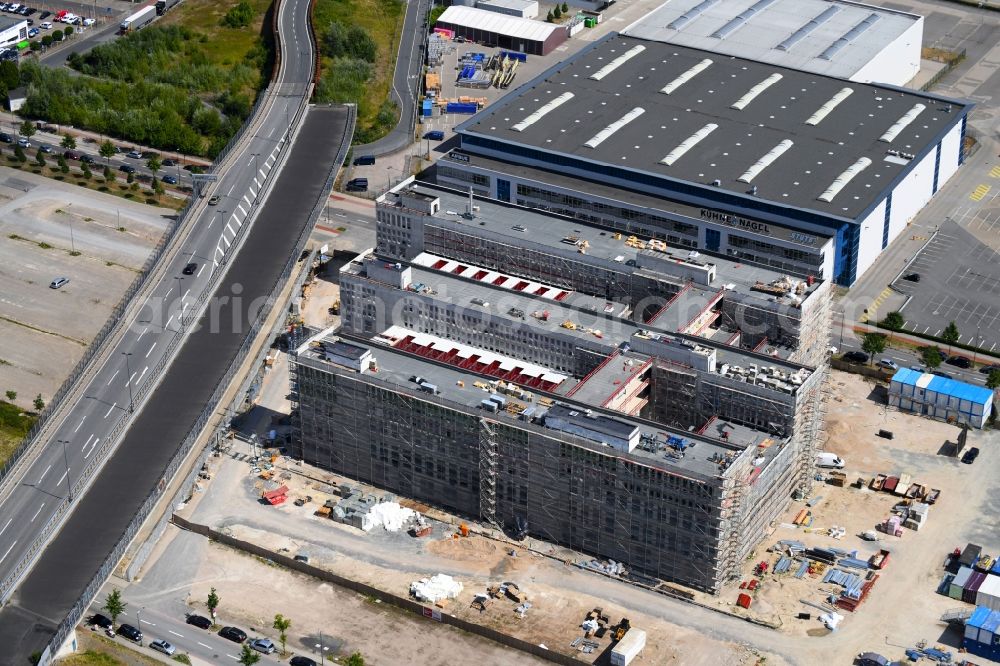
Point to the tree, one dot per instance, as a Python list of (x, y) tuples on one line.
[(950, 335), (550, 17), (565, 8), (11, 396), (63, 165), (19, 154), (57, 35), (992, 380), (68, 142), (10, 75), (355, 660), (27, 129), (154, 164), (108, 150), (931, 357), (87, 173), (130, 178), (46, 41), (281, 624), (39, 158), (108, 174), (893, 321), (38, 403), (157, 184), (248, 656), (114, 605), (213, 601), (873, 343), (34, 45), (239, 16), (557, 13), (68, 30)]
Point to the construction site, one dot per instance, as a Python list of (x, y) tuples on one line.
[(534, 405)]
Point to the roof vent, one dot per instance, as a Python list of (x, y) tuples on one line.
[(765, 161), (742, 102), (831, 104), (688, 144), (843, 179), (541, 112), (901, 124), (617, 62), (601, 136), (686, 76)]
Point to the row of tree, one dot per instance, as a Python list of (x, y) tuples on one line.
[(557, 12), (38, 402), (114, 606)]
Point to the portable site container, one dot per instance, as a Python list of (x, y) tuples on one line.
[(988, 595), (628, 648), (981, 637), (970, 555), (958, 582), (972, 587)]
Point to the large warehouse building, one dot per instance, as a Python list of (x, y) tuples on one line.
[(847, 40), (769, 164), (501, 30), (541, 400)]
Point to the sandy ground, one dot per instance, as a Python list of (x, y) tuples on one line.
[(45, 331)]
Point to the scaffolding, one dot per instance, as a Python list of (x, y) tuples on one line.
[(487, 472)]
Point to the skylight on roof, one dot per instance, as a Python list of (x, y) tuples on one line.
[(804, 30), (765, 161), (831, 104), (741, 20), (849, 36), (688, 144), (540, 113), (686, 76), (691, 14), (843, 179), (601, 136), (901, 124), (742, 102), (617, 62)]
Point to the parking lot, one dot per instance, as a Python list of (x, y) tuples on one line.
[(49, 230), (959, 281)]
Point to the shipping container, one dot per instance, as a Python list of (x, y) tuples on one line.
[(958, 582), (514, 55), (461, 107), (428, 108), (989, 593), (972, 587), (628, 648)]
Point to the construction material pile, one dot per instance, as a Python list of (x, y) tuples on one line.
[(436, 588), (388, 515)]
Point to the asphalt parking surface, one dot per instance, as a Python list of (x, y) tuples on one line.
[(960, 282)]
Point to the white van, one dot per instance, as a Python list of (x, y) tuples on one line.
[(826, 459)]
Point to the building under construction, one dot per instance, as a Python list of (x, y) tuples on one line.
[(545, 392)]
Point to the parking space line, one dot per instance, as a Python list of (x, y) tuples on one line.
[(184, 297), (203, 645), (169, 321), (249, 203), (262, 174), (230, 229)]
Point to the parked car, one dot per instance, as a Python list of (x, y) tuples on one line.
[(959, 362), (131, 633), (987, 369), (357, 185), (127, 168), (941, 373), (45, 149), (100, 621), (59, 282), (87, 159), (163, 646), (301, 661), (45, 15), (170, 180), (6, 138), (135, 154), (45, 25), (32, 32), (199, 621), (912, 277), (434, 135), (970, 456), (72, 155), (190, 268), (168, 162), (888, 364), (364, 160), (233, 634), (856, 357), (89, 21), (263, 645), (24, 142)]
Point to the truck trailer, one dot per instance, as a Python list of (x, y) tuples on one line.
[(138, 20)]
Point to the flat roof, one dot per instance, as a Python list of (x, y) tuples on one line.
[(550, 230), (510, 4), (503, 24), (944, 386), (678, 119), (397, 368), (800, 34)]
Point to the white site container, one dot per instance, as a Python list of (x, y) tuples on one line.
[(628, 648)]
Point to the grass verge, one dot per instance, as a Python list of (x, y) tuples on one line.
[(14, 425)]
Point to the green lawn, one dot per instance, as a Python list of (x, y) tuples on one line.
[(383, 20), (14, 425), (91, 658)]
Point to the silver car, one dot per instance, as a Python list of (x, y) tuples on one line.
[(59, 282), (163, 646), (263, 645)]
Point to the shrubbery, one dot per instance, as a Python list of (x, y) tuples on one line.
[(239, 16)]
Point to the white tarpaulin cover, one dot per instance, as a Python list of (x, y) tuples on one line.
[(439, 586), (388, 515)]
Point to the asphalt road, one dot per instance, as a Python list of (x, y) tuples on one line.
[(405, 81), (99, 518)]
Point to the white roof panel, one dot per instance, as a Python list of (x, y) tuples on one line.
[(485, 20)]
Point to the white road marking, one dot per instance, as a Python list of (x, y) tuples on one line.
[(341, 214), (215, 264), (245, 198), (231, 189), (149, 623), (43, 475), (253, 192), (200, 270), (262, 175), (12, 548), (203, 645), (143, 373), (92, 447), (232, 657), (230, 229), (80, 424), (6, 526), (62, 478), (175, 633), (130, 379), (228, 243), (87, 442), (113, 377), (243, 211), (144, 331), (151, 350), (168, 321), (108, 413), (257, 183), (37, 512), (184, 297)]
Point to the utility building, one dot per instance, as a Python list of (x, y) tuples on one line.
[(536, 395), (940, 398), (502, 29)]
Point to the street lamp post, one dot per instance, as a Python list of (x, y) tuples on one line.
[(128, 372), (69, 484), (323, 649)]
